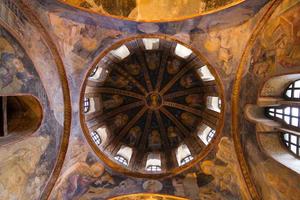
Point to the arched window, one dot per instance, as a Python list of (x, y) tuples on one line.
[(186, 160), (205, 74), (153, 163), (121, 52), (124, 154), (86, 105), (288, 114), (292, 141), (214, 103), (277, 117), (210, 135), (183, 155), (151, 43), (121, 160), (94, 71), (96, 137), (293, 91), (206, 133), (182, 51)]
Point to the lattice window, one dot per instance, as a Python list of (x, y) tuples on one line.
[(293, 91), (186, 159), (94, 71), (292, 141), (210, 135), (286, 114), (154, 168), (121, 160), (86, 105), (96, 137), (214, 103)]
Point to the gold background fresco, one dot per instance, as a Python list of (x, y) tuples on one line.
[(153, 10)]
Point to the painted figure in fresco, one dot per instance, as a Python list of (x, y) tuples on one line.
[(187, 81), (133, 69), (114, 102), (13, 72), (153, 61), (134, 133), (172, 135), (173, 66), (189, 119), (261, 60), (119, 81), (119, 121), (154, 139), (77, 179), (194, 100)]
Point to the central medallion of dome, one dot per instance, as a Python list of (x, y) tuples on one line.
[(154, 100), (151, 106)]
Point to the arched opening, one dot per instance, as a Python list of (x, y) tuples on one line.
[(19, 115), (153, 163), (123, 156), (277, 119)]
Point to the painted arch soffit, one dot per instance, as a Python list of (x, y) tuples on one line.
[(152, 10)]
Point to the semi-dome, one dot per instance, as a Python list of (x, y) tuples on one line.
[(151, 106)]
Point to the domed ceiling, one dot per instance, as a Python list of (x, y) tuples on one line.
[(152, 10), (147, 99)]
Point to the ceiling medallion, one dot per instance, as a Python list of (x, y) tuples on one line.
[(151, 106)]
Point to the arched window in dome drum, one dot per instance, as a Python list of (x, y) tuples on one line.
[(86, 105), (153, 163), (121, 160), (124, 154), (210, 135), (96, 137), (94, 71), (183, 154), (186, 159)]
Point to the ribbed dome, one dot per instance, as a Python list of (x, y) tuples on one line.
[(151, 106)]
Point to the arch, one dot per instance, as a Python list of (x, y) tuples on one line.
[(19, 116), (124, 154), (206, 133), (153, 162), (183, 155), (277, 119)]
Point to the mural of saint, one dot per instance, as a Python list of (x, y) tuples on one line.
[(119, 81), (187, 81), (173, 66), (13, 74), (114, 102), (189, 119), (133, 69), (194, 100), (134, 134), (154, 139)]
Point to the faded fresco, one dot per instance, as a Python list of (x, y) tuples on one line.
[(26, 161), (153, 10), (274, 52)]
